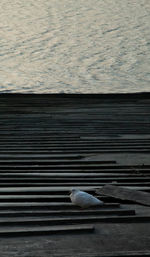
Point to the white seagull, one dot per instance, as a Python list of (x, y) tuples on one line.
[(83, 199)]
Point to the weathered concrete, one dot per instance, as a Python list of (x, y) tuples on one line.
[(51, 143)]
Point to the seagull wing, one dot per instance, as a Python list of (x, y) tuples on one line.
[(85, 200)]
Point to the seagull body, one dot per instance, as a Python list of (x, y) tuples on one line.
[(83, 199)]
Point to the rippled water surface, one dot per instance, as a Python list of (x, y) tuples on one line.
[(74, 46)]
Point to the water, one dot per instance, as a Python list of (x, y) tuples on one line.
[(92, 46)]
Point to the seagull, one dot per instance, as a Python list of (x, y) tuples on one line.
[(83, 199)]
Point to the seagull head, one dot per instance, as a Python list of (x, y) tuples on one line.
[(74, 190)]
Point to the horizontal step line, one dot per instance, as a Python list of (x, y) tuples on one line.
[(54, 189), (75, 184), (66, 162), (80, 220), (76, 140), (36, 213), (98, 171), (55, 220), (58, 142), (47, 205), (57, 175), (82, 151), (73, 167), (44, 197), (46, 230), (73, 179)]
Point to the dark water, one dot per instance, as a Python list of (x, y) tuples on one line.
[(92, 46)]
